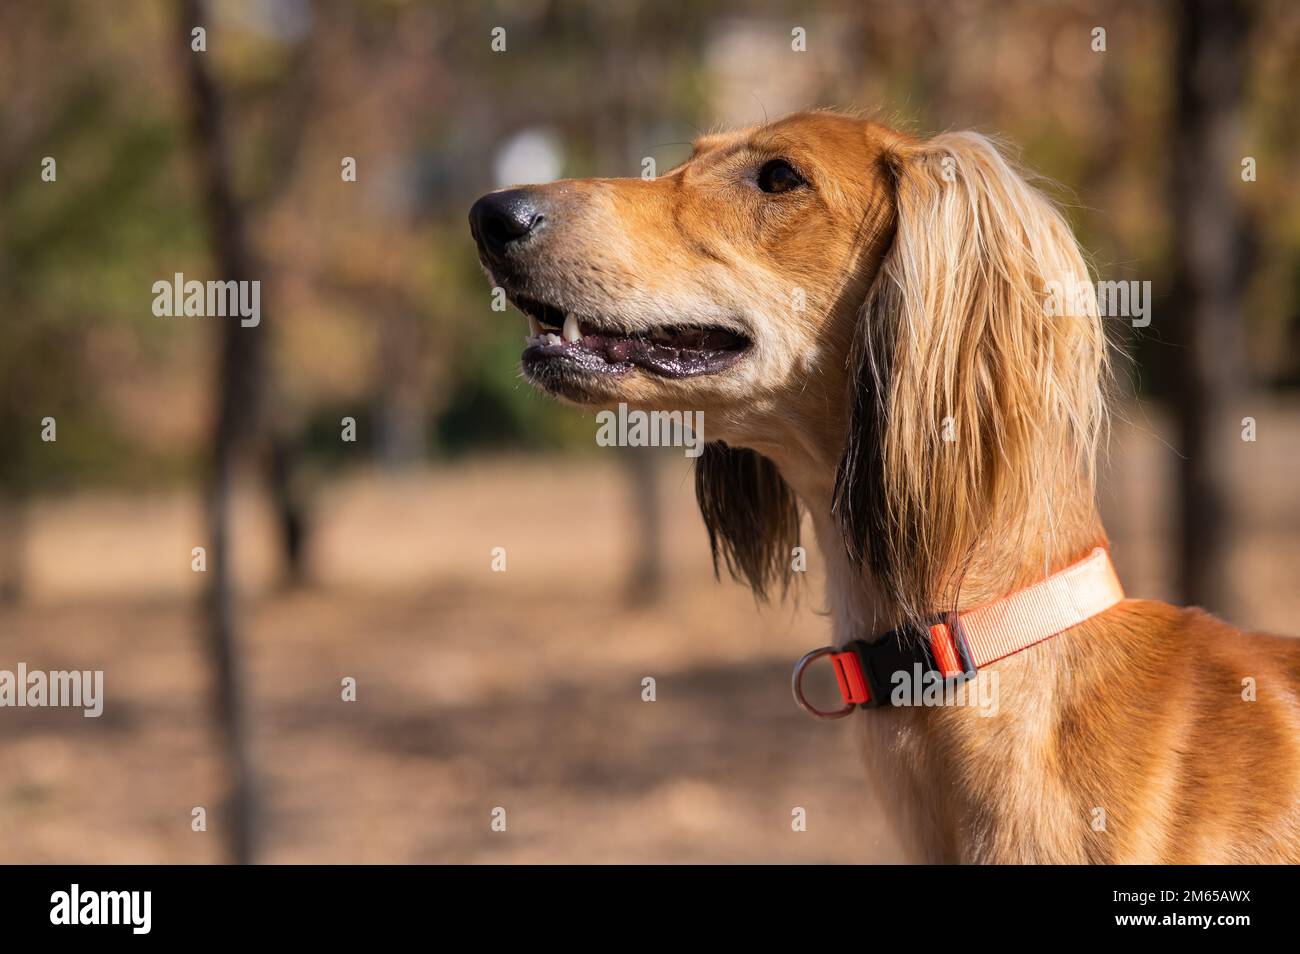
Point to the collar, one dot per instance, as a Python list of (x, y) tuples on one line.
[(956, 645)]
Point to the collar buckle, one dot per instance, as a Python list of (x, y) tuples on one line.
[(956, 633), (865, 671), (941, 647)]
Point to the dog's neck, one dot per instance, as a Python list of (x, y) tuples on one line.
[(1062, 528), (909, 752)]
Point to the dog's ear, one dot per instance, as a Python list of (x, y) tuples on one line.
[(974, 391), (751, 514)]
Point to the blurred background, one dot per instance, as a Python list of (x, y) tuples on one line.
[(372, 559)]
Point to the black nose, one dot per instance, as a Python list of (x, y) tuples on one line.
[(500, 218)]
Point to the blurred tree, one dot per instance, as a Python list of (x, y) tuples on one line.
[(235, 426), (1209, 248)]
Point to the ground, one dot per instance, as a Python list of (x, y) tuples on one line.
[(479, 690)]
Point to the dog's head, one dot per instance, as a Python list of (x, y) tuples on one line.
[(860, 307), (724, 285)]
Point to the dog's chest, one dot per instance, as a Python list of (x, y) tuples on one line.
[(965, 788)]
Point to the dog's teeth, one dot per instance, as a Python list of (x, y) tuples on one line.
[(534, 326), (571, 332), (552, 339)]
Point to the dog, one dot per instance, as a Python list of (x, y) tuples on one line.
[(864, 319)]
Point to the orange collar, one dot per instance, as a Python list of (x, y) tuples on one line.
[(957, 645)]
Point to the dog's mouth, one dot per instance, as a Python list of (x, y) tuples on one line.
[(593, 345)]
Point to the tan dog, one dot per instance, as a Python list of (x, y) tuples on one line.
[(865, 321)]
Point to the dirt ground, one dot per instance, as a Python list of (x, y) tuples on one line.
[(480, 690)]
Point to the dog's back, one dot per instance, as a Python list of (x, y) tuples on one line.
[(1150, 734)]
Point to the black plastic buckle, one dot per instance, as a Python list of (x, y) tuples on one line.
[(958, 633), (900, 650)]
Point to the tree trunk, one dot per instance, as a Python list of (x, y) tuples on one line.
[(238, 382), (1209, 262), (290, 505), (400, 421), (646, 581)]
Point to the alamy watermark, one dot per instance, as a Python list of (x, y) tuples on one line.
[(214, 299), (624, 428), (56, 688), (1129, 299), (928, 688), (133, 909)]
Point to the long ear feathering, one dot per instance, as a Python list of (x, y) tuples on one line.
[(975, 393), (751, 514)]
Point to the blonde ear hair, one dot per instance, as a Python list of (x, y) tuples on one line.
[(972, 400)]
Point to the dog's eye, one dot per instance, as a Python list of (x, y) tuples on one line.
[(777, 176)]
